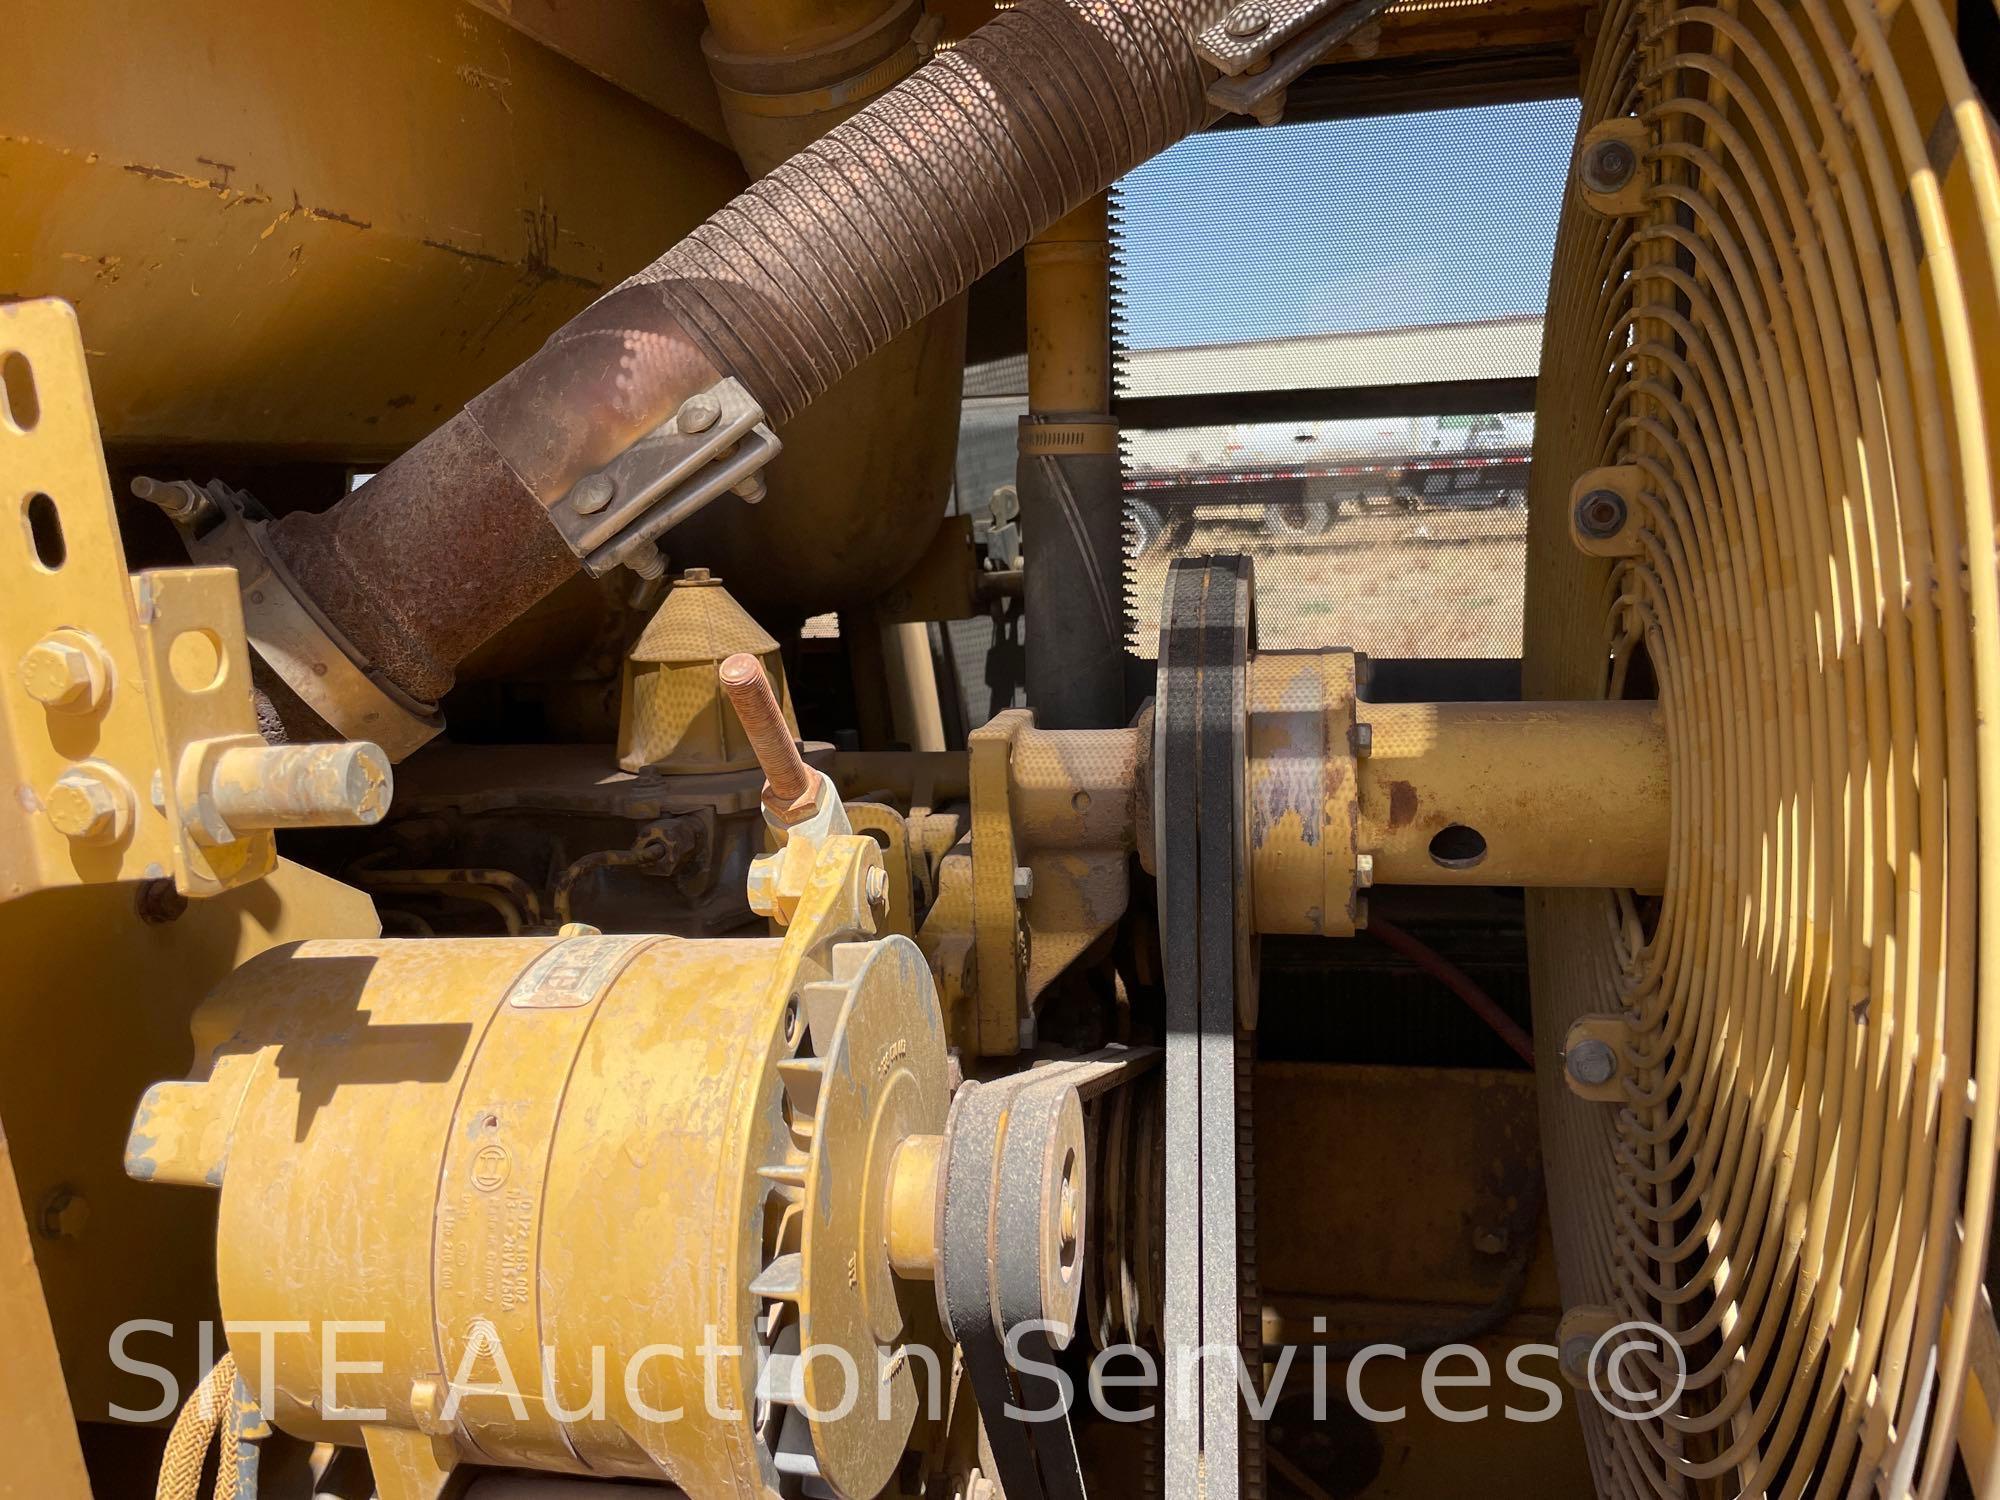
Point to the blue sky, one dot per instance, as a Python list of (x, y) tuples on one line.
[(1346, 225)]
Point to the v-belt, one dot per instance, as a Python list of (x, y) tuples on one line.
[(1212, 1451)]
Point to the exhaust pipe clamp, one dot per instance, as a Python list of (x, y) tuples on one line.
[(716, 441)]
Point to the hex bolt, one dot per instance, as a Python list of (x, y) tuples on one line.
[(878, 888), (1608, 166), (751, 489), (157, 902), (698, 413), (339, 785), (647, 561), (1024, 882), (749, 690), (64, 1215), (1248, 20), (1600, 514), (1575, 1356), (1591, 1063), (88, 806), (592, 493), (185, 504), (64, 673)]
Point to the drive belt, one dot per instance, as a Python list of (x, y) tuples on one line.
[(1014, 1148), (1211, 1303)]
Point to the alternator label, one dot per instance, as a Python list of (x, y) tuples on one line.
[(574, 972)]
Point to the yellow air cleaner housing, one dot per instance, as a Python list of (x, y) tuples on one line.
[(672, 717)]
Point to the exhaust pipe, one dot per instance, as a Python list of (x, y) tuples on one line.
[(789, 287)]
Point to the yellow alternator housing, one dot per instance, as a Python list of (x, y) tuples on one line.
[(1776, 346), (622, 1176)]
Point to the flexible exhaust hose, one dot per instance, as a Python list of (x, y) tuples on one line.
[(813, 268)]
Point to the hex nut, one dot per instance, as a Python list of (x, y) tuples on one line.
[(1591, 1063), (1364, 870), (1608, 166), (88, 806), (1364, 738), (1600, 514), (1024, 882), (878, 888), (63, 673)]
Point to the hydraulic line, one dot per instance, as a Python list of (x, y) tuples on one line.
[(1798, 1185), (1455, 979)]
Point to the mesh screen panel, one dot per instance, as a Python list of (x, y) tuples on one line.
[(1369, 255)]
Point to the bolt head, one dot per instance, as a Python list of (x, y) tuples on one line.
[(1248, 20), (1591, 1063), (1364, 738), (761, 887), (1600, 514), (878, 888), (592, 493), (1608, 166), (1364, 870), (87, 807), (1575, 1356), (1024, 882), (65, 1215), (59, 675), (698, 413)]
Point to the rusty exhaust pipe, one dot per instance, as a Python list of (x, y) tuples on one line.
[(814, 267)]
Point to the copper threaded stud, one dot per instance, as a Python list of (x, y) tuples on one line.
[(763, 721)]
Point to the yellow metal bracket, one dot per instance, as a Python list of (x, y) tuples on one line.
[(1040, 876), (110, 680)]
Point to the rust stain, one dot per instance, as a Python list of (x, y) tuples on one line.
[(333, 216), (1402, 804), (107, 266), (300, 209)]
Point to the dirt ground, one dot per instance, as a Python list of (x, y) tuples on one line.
[(1436, 583)]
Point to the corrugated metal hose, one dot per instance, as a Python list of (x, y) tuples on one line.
[(209, 1411), (813, 268)]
